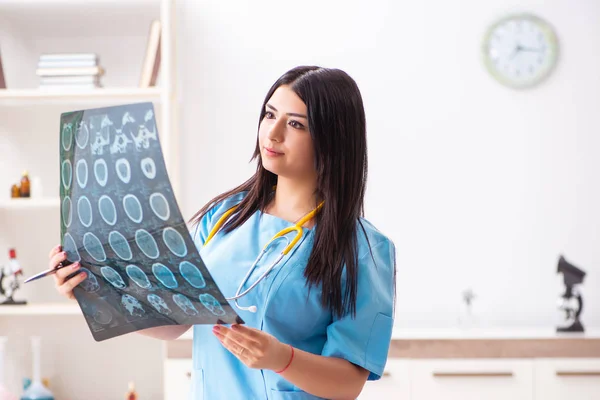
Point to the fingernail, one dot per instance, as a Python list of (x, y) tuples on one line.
[(216, 328), (75, 266), (235, 327)]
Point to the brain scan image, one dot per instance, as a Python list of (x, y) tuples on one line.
[(113, 277), (159, 304), (138, 276), (119, 245), (67, 136), (70, 248), (90, 284), (192, 274), (67, 174), (84, 210), (211, 304), (123, 170), (67, 211), (164, 276), (174, 242), (101, 172), (92, 245), (82, 173), (146, 243), (148, 168), (132, 305), (119, 217), (103, 315), (133, 208), (160, 206), (185, 304), (107, 209), (83, 135)]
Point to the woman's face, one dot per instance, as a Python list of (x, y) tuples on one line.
[(285, 142)]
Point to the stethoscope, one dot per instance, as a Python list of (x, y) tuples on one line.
[(281, 234)]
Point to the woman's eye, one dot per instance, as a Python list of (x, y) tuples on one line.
[(296, 124), (268, 114)]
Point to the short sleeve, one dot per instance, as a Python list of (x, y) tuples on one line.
[(364, 339)]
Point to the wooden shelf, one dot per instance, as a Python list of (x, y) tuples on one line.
[(30, 203), (41, 309), (49, 96)]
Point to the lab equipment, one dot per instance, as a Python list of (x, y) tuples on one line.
[(9, 280), (571, 302), (36, 390), (280, 235), (4, 393), (25, 188), (131, 392)]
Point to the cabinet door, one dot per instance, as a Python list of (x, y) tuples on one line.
[(471, 379), (559, 379), (177, 379), (394, 384)]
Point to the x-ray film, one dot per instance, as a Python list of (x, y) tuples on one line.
[(120, 220)]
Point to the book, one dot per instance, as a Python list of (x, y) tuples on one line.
[(69, 57), (67, 64), (60, 80), (70, 71), (152, 58)]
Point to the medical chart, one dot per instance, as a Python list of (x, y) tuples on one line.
[(120, 219)]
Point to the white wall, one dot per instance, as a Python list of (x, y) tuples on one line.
[(478, 185)]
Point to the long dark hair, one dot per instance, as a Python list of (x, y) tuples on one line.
[(336, 121)]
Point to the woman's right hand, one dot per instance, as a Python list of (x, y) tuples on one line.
[(64, 286)]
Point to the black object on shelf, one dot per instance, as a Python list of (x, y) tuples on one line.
[(571, 301)]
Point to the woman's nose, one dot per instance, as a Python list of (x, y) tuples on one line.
[(276, 131)]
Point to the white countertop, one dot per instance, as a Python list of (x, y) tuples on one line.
[(401, 333), (491, 333)]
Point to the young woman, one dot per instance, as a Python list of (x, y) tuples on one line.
[(318, 324)]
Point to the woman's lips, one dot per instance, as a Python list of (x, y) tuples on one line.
[(272, 153)]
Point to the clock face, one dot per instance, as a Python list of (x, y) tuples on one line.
[(520, 51)]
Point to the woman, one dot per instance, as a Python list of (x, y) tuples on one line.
[(319, 324)]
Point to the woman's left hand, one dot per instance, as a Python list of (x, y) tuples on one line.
[(253, 347)]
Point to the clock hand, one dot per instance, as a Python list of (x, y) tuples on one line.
[(531, 49), (518, 48)]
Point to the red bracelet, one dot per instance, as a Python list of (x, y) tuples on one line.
[(289, 363)]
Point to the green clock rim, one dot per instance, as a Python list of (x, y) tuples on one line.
[(546, 29)]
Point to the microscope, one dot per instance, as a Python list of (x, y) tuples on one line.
[(9, 280), (571, 301)]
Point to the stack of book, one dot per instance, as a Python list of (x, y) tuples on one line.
[(69, 71)]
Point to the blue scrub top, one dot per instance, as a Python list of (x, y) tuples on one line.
[(287, 309)]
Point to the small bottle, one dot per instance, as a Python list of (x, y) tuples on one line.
[(131, 393), (25, 190), (15, 191)]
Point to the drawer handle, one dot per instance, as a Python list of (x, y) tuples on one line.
[(189, 375), (386, 374), (472, 374), (577, 373)]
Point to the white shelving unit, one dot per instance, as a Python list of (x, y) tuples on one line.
[(117, 31), (30, 28)]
